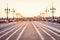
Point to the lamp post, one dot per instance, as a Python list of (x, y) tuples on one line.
[(13, 12), (7, 10), (52, 10), (46, 13)]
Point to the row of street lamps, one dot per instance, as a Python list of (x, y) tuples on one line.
[(52, 11), (7, 10)]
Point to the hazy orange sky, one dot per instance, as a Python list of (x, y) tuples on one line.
[(29, 8)]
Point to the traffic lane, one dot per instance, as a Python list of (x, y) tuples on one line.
[(8, 28), (52, 33), (51, 22), (43, 34), (56, 25), (15, 36), (53, 25), (19, 24), (4, 36), (6, 25), (51, 28), (4, 31), (30, 33)]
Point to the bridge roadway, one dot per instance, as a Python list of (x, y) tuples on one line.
[(30, 30)]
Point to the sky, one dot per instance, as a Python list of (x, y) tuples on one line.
[(29, 8)]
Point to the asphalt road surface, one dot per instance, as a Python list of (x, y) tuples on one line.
[(30, 30)]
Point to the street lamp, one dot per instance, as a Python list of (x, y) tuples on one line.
[(46, 13), (52, 10), (7, 10), (13, 12)]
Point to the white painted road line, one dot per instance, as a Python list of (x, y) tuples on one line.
[(8, 32), (22, 32), (51, 27), (9, 28), (51, 31), (47, 33), (14, 33), (48, 29), (40, 35)]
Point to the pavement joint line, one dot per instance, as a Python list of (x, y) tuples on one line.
[(14, 33), (48, 34), (55, 23), (8, 32), (6, 24), (51, 31), (51, 27), (8, 29), (22, 32), (40, 35)]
